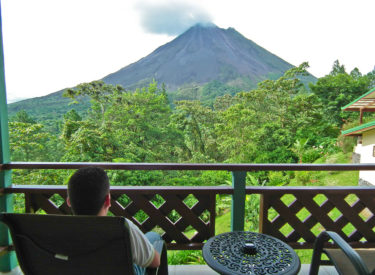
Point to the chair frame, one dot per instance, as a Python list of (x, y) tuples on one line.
[(352, 255)]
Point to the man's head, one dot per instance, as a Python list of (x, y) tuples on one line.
[(88, 191)]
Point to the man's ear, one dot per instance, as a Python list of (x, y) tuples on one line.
[(68, 202), (107, 201)]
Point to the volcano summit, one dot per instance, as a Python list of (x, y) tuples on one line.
[(202, 54)]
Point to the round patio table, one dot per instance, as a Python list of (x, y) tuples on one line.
[(243, 252)]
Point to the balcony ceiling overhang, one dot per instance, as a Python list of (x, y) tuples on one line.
[(365, 102)]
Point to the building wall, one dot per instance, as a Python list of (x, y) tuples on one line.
[(366, 150)]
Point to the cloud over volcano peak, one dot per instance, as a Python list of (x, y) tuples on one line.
[(171, 18)]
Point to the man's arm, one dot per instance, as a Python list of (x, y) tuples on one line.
[(156, 261), (144, 253)]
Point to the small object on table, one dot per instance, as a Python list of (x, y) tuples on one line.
[(243, 252), (250, 248)]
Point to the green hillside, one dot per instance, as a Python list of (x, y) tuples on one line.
[(48, 109)]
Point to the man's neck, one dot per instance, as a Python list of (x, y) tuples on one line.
[(103, 212)]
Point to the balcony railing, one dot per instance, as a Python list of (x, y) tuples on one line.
[(297, 220)]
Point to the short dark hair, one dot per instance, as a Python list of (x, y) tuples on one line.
[(87, 189)]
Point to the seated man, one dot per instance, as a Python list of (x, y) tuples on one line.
[(88, 194)]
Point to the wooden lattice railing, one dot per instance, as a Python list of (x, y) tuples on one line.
[(193, 208), (297, 215)]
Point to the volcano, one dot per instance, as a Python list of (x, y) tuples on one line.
[(202, 54)]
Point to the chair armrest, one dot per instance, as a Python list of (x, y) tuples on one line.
[(352, 255)]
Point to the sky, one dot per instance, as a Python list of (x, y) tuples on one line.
[(50, 45)]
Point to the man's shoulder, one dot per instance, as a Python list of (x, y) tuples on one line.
[(133, 229), (128, 224)]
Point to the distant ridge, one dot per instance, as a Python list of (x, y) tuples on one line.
[(202, 54)]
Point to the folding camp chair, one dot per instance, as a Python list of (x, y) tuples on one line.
[(60, 244), (348, 261)]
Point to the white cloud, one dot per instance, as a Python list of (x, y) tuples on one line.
[(171, 18)]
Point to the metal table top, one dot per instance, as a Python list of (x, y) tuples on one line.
[(227, 254)]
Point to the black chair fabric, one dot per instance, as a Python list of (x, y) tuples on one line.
[(60, 244)]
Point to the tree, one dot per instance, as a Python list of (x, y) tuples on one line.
[(136, 128), (339, 89), (23, 116), (99, 92), (72, 115), (132, 126), (262, 124), (72, 122), (197, 124), (299, 148), (28, 141), (337, 68), (371, 76)]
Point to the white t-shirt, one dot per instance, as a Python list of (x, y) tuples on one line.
[(142, 250)]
